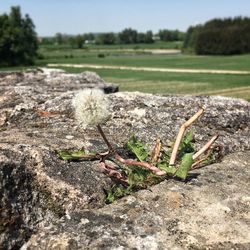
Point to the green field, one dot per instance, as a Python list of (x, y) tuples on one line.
[(156, 82), (241, 62), (176, 83)]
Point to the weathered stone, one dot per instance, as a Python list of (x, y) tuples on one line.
[(210, 211), (149, 116), (53, 80), (53, 204), (37, 186)]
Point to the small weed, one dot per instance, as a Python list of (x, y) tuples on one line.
[(145, 168), (132, 178)]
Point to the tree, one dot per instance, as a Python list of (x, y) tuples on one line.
[(191, 37), (171, 35), (141, 37), (18, 39), (148, 37), (128, 36), (106, 38), (79, 40), (220, 37), (145, 37), (59, 38), (90, 37)]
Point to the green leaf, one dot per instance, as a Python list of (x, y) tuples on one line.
[(115, 192), (67, 155), (186, 163), (137, 148), (77, 154), (186, 145), (165, 167), (165, 155), (137, 176), (188, 138), (110, 197)]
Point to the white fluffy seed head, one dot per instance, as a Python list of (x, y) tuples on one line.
[(91, 107)]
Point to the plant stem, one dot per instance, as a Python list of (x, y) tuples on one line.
[(104, 137), (205, 147), (150, 167), (196, 164), (179, 137), (156, 151), (110, 170)]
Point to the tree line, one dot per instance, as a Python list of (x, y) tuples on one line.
[(126, 36), (227, 36)]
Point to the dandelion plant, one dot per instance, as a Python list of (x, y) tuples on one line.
[(92, 108)]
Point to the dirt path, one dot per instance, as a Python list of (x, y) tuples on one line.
[(151, 51), (226, 91), (198, 71)]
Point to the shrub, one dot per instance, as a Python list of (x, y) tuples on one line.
[(101, 55)]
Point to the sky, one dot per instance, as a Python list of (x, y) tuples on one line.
[(83, 16)]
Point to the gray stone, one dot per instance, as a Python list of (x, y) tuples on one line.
[(52, 204), (210, 211)]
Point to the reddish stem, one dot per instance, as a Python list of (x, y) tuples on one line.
[(110, 171), (150, 167), (205, 147)]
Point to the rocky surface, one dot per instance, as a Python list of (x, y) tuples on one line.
[(211, 211), (52, 204)]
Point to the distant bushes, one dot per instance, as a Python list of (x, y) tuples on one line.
[(126, 36), (101, 55), (171, 35), (220, 37), (106, 38)]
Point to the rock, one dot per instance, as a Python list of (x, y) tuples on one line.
[(36, 186), (149, 116), (54, 80), (210, 211), (47, 203)]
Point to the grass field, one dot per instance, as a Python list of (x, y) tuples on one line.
[(241, 62), (157, 82), (119, 55), (176, 83)]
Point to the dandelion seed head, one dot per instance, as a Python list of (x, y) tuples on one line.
[(91, 107)]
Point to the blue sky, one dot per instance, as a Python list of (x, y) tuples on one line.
[(81, 16)]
